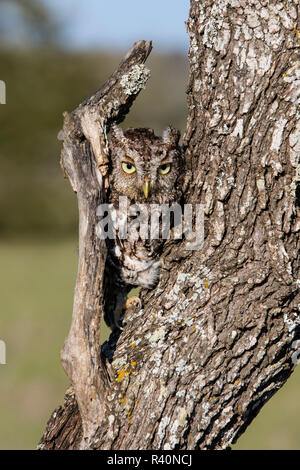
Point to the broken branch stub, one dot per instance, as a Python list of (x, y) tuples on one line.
[(85, 162)]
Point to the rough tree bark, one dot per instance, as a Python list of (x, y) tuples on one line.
[(215, 340)]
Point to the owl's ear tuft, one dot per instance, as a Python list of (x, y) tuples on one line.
[(171, 136), (116, 134)]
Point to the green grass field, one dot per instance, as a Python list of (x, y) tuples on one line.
[(37, 283)]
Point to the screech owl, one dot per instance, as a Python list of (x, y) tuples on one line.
[(146, 169)]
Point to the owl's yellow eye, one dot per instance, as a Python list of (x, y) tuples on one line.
[(164, 169), (128, 168)]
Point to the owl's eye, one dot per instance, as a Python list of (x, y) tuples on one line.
[(164, 169), (128, 168)]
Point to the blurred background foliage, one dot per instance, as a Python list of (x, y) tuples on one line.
[(43, 80), (40, 86), (38, 216)]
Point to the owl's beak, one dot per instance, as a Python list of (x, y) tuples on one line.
[(146, 187)]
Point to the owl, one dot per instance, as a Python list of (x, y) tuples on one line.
[(147, 170)]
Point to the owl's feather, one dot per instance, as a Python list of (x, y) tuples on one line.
[(135, 262)]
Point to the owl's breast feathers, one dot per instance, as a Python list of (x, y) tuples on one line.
[(134, 263)]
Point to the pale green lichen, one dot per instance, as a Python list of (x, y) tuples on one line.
[(119, 363), (135, 80), (157, 335)]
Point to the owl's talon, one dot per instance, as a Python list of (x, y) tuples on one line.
[(117, 325), (134, 301)]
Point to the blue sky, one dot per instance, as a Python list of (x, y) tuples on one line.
[(118, 23)]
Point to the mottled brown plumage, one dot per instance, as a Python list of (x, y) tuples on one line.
[(147, 170)]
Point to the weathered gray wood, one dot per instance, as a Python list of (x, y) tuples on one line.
[(84, 161), (215, 339)]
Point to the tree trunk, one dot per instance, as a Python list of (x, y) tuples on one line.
[(219, 335)]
